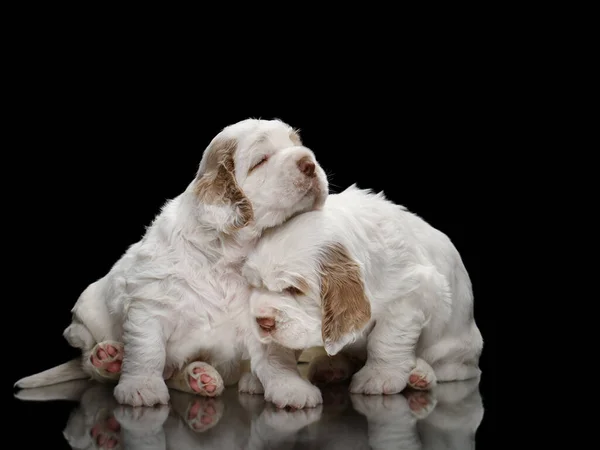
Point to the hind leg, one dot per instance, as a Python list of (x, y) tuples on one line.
[(197, 378), (104, 361), (422, 377)]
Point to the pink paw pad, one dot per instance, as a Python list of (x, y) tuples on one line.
[(107, 357), (418, 381), (106, 433), (202, 382)]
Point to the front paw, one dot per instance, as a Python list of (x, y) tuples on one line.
[(376, 381), (294, 393), (141, 391), (250, 384)]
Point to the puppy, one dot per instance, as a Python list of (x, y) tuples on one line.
[(372, 283), (174, 299)]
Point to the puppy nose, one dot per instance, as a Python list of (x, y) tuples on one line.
[(306, 166), (266, 323)]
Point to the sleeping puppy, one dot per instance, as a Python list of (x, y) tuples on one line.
[(176, 297), (372, 283)]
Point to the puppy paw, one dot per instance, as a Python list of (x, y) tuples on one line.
[(107, 358), (293, 393), (250, 384), (421, 403), (198, 378), (422, 377), (375, 381), (329, 369), (139, 391), (106, 432)]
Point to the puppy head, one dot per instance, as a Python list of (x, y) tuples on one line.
[(306, 298), (258, 171)]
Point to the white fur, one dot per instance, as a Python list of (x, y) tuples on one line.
[(177, 294), (419, 292)]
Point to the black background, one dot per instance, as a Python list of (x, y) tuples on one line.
[(99, 137)]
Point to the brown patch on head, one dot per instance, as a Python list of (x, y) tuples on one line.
[(344, 304), (295, 137), (217, 184)]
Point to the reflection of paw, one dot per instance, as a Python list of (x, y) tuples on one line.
[(382, 408), (290, 421), (204, 413), (374, 381), (325, 369), (253, 404), (335, 397), (293, 392), (141, 420), (106, 433), (250, 384), (198, 378), (140, 391), (421, 403), (107, 358), (422, 377)]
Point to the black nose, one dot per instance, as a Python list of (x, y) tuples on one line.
[(306, 166)]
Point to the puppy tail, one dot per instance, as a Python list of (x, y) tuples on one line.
[(68, 371)]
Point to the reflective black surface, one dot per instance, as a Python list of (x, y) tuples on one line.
[(449, 417)]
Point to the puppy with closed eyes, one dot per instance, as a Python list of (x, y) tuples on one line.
[(172, 304), (374, 284)]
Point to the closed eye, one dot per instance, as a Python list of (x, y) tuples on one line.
[(293, 290), (259, 163)]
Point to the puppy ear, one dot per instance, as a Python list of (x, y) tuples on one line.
[(216, 184), (345, 307)]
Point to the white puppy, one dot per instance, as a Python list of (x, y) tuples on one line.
[(368, 277), (176, 297)]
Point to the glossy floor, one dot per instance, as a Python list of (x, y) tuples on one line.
[(89, 418)]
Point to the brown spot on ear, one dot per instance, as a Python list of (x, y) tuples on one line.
[(295, 137), (344, 305), (218, 186), (301, 284)]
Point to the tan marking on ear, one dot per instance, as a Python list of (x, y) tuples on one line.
[(302, 285), (218, 186), (344, 304), (295, 137)]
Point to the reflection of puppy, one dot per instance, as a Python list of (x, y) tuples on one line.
[(341, 427), (99, 422), (281, 428), (391, 422), (208, 423), (372, 283), (454, 421)]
